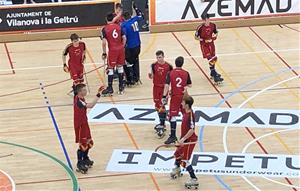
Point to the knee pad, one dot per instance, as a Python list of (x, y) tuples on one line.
[(90, 143), (83, 147), (185, 163), (173, 119), (162, 115), (120, 69), (110, 72)]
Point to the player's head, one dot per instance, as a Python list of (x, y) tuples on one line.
[(179, 62), (75, 39), (81, 90), (126, 15), (109, 17), (205, 18), (118, 8), (160, 56), (187, 102)]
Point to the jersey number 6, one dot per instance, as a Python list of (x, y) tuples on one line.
[(115, 34)]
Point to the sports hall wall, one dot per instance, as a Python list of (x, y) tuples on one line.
[(57, 20)]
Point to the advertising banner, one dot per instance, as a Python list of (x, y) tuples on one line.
[(208, 163), (191, 10), (56, 16), (235, 117)]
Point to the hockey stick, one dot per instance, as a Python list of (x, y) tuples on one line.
[(87, 82), (173, 145)]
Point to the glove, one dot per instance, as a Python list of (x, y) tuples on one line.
[(66, 68), (104, 56), (101, 88), (164, 100)]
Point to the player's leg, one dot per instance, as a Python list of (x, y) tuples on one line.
[(212, 58), (120, 69), (81, 167), (175, 107), (81, 149), (176, 171), (110, 73), (128, 67), (136, 63), (187, 153), (87, 161), (161, 111)]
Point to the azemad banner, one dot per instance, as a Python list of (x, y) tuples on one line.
[(191, 10), (56, 16), (231, 164), (235, 117)]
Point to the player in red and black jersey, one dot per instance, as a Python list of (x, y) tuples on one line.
[(207, 33), (82, 130), (118, 14), (115, 39), (179, 80), (186, 143), (76, 51), (158, 74)]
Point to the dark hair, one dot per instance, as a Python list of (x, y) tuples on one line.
[(126, 15), (78, 87), (160, 52), (179, 61), (110, 16), (119, 5), (188, 100), (74, 36), (205, 16)]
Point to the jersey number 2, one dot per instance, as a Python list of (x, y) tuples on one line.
[(178, 82), (115, 34)]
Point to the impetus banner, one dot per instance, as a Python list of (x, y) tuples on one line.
[(191, 10), (234, 117), (230, 164)]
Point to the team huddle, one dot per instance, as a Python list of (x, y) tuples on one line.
[(120, 51)]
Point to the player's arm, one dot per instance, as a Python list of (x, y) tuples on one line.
[(104, 42), (117, 17), (151, 71), (64, 59), (138, 12), (189, 81), (190, 132), (215, 32), (197, 33), (83, 53), (166, 89), (96, 98), (124, 39)]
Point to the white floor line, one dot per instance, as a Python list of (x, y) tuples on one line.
[(148, 60)]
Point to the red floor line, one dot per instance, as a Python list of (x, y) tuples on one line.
[(291, 28), (9, 58), (80, 178), (262, 40), (227, 103)]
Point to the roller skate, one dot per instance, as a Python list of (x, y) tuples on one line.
[(170, 140), (88, 163), (218, 79), (81, 167), (192, 184), (176, 173), (121, 90), (107, 92), (160, 131)]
